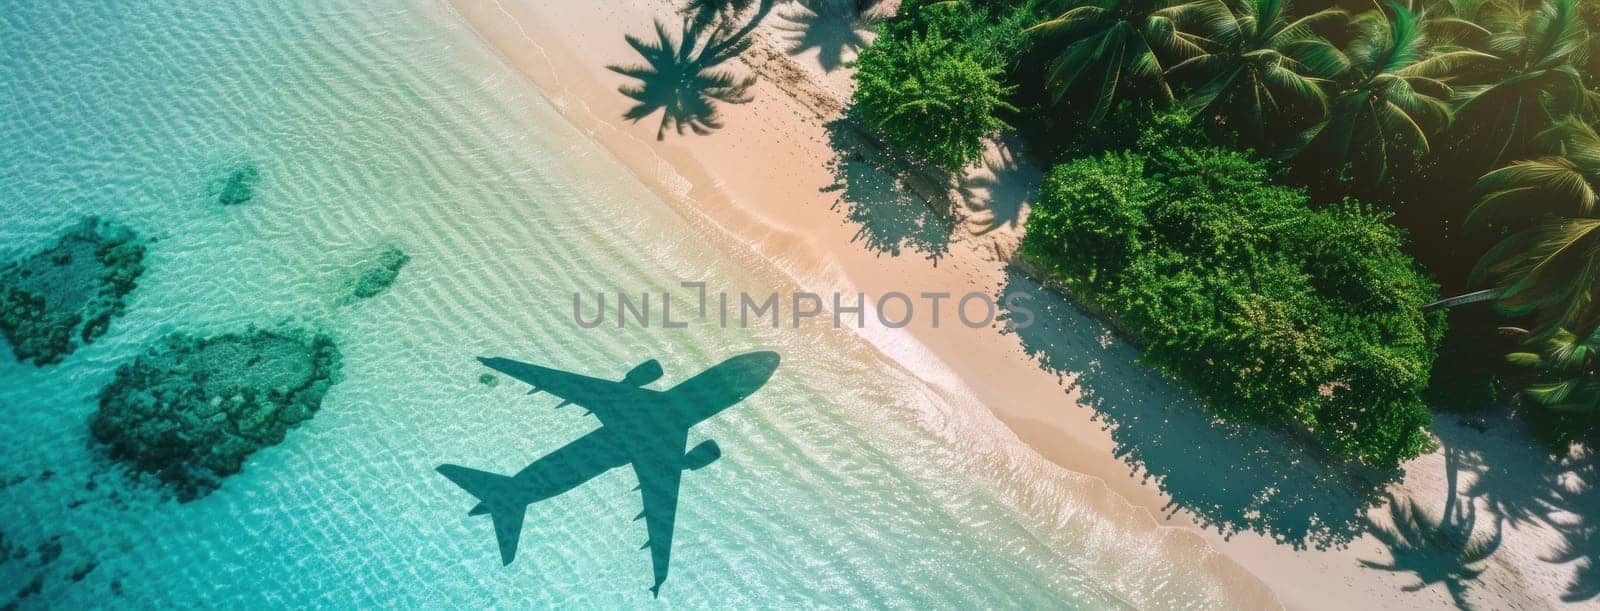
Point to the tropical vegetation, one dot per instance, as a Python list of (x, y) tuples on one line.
[(930, 97), (1390, 100), (1527, 77), (1107, 49), (1260, 67), (934, 95), (1269, 310), (1548, 268), (1449, 143), (1565, 365)]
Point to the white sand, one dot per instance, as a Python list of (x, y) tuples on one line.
[(766, 178)]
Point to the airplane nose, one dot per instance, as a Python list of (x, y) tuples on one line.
[(766, 359), (759, 366), (742, 375)]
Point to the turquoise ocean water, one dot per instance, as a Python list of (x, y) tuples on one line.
[(844, 481)]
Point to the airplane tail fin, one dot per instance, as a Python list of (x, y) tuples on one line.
[(500, 498)]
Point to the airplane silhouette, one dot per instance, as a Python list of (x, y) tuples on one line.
[(639, 426)]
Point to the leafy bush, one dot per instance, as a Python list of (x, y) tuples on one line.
[(1270, 311), (930, 96), (991, 30)]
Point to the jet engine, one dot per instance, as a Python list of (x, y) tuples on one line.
[(702, 455), (647, 372)]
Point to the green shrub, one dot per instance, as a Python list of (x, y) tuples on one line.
[(1101, 202), (991, 30), (930, 97), (934, 97), (1268, 310)]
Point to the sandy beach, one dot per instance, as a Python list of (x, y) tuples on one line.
[(786, 178)]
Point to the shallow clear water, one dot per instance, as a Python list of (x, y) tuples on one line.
[(843, 481)]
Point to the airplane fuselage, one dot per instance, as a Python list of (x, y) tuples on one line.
[(657, 425), (645, 428)]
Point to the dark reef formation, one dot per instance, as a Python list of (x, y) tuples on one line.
[(375, 276), (37, 562), (190, 410), (64, 297), (240, 186)]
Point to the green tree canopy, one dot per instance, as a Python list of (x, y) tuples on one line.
[(1260, 65), (929, 96), (1110, 47), (1526, 78), (1549, 266), (1392, 99), (1270, 311), (1566, 369)]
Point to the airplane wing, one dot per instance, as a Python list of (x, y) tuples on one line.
[(660, 488), (660, 469), (594, 394)]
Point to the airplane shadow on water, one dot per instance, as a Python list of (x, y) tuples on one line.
[(642, 427)]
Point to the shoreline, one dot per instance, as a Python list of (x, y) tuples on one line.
[(763, 180)]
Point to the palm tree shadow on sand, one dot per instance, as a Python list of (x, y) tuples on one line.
[(888, 217), (834, 28), (710, 11), (996, 196), (1578, 521), (1235, 478), (1446, 549), (1528, 486), (1230, 477), (682, 79)]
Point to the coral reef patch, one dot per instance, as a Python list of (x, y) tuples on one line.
[(374, 276), (190, 410), (63, 297), (36, 561), (240, 185)]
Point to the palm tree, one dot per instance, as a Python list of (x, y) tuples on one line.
[(1258, 62), (1116, 43), (1529, 76), (1549, 267), (1589, 13), (1393, 100), (1566, 365), (680, 78)]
